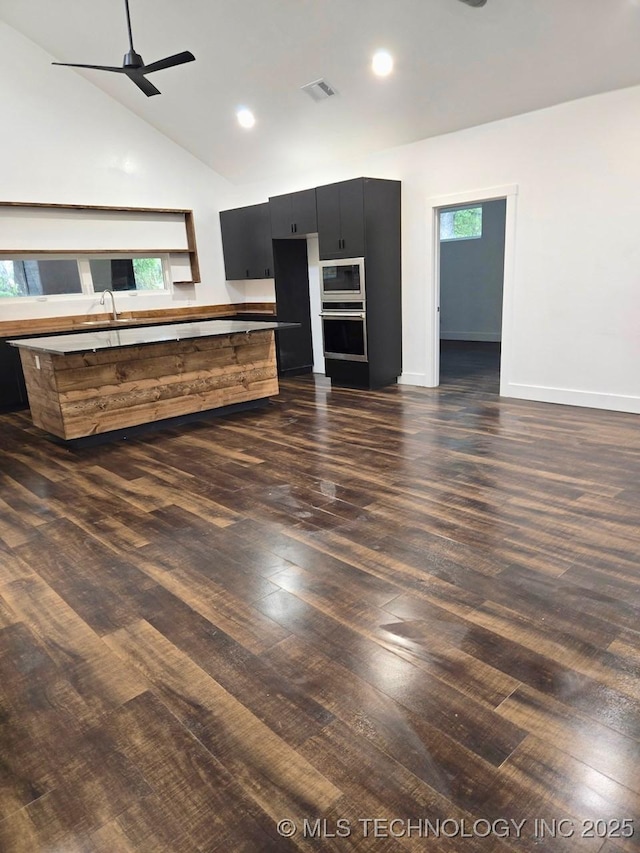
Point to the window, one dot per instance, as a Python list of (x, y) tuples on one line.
[(127, 274), (39, 278), (62, 276), (461, 223)]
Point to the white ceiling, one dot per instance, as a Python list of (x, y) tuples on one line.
[(456, 67)]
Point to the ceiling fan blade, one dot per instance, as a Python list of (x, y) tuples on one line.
[(97, 67), (170, 61), (142, 83)]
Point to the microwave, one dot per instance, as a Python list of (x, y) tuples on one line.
[(342, 280)]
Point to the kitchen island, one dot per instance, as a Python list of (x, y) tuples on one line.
[(101, 381)]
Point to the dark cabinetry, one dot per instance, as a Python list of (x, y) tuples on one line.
[(341, 226), (359, 218), (13, 394), (293, 214), (382, 309), (246, 242)]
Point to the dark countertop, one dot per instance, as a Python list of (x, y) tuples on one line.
[(125, 336)]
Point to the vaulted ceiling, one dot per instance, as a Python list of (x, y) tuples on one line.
[(456, 67)]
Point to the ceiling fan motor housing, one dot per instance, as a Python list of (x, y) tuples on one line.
[(132, 60), (474, 2)]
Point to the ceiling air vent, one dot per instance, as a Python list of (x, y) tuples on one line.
[(319, 90)]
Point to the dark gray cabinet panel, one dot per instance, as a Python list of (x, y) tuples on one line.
[(13, 394), (262, 258), (246, 242), (232, 224), (352, 218), (341, 232), (293, 214), (329, 229), (295, 352)]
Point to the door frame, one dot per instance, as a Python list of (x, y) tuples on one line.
[(508, 192)]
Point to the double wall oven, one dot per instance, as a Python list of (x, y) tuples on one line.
[(344, 318)]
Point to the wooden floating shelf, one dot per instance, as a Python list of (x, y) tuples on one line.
[(79, 252), (108, 207), (187, 215)]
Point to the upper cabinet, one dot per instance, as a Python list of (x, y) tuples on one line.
[(348, 217), (341, 219), (246, 242), (293, 214)]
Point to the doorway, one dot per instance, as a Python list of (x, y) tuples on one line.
[(471, 240), (472, 262)]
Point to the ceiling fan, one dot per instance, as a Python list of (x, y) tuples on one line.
[(133, 64)]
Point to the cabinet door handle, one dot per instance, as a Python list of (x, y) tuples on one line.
[(292, 228), (248, 276), (295, 228)]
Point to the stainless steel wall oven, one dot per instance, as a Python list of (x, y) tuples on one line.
[(344, 319), (344, 331)]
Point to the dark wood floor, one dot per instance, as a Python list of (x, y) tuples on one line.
[(471, 362), (405, 605)]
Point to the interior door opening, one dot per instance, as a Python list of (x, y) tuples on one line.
[(470, 247)]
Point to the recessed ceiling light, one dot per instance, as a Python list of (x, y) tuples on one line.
[(382, 63), (245, 117)]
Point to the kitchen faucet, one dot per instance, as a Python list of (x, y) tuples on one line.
[(113, 302)]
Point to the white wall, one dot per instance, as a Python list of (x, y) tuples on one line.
[(471, 276), (575, 292), (65, 141)]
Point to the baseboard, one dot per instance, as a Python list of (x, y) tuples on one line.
[(419, 379), (491, 337), (572, 397), (295, 371)]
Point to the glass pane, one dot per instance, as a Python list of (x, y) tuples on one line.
[(343, 336), (39, 278), (56, 276), (344, 277), (148, 273), (127, 274), (446, 225), (9, 286), (463, 223), (112, 274)]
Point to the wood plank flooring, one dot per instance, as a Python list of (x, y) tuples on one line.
[(405, 606)]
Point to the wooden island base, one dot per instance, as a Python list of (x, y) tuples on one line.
[(82, 394)]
